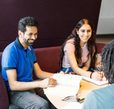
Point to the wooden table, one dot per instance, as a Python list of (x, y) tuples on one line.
[(86, 87), (55, 95)]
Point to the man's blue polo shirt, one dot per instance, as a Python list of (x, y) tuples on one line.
[(15, 56)]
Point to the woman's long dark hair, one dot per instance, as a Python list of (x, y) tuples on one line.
[(90, 44)]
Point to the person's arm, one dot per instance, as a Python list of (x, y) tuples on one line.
[(69, 50), (20, 86), (74, 65), (40, 73), (43, 74)]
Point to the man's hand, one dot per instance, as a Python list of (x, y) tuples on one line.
[(52, 82), (48, 82)]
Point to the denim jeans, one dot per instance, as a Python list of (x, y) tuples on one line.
[(27, 100)]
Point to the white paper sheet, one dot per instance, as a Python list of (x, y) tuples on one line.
[(67, 79), (94, 81), (68, 83)]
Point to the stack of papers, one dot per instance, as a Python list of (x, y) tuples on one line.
[(68, 83), (68, 79)]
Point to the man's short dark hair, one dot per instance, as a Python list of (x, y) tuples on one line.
[(27, 21), (108, 61)]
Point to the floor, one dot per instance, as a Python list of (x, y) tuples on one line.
[(105, 39)]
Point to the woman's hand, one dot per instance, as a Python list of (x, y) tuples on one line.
[(103, 78), (97, 75)]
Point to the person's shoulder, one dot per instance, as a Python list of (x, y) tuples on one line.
[(97, 93), (87, 102), (91, 94), (70, 46), (70, 41), (104, 90), (9, 47)]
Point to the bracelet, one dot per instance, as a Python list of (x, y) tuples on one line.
[(91, 74)]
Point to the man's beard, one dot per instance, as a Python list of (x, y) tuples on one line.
[(29, 43)]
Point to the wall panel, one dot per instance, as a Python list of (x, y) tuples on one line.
[(56, 18)]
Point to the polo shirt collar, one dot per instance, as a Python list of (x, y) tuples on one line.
[(17, 42)]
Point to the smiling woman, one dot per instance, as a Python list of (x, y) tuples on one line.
[(79, 51)]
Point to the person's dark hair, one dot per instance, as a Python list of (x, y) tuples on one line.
[(27, 21), (90, 44), (108, 61)]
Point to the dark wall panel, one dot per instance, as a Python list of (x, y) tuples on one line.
[(56, 18)]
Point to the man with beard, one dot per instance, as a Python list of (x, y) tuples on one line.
[(18, 63)]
